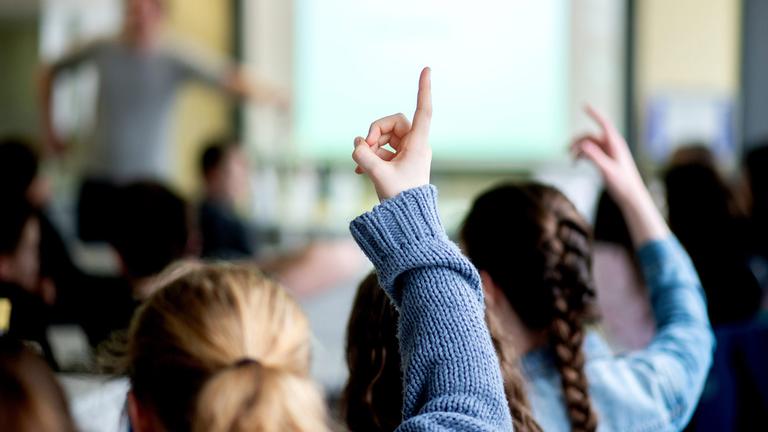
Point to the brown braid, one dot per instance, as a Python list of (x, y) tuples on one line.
[(571, 283), (537, 249)]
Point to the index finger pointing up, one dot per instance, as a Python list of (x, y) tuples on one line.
[(423, 115), (602, 120)]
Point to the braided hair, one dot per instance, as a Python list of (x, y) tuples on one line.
[(538, 249)]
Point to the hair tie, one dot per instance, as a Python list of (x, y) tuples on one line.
[(245, 361)]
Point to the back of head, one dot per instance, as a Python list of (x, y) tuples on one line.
[(697, 199), (222, 348), (373, 397), (756, 167), (151, 228), (703, 215), (537, 248), (31, 399), (18, 168), (610, 226)]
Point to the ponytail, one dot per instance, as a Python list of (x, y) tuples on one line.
[(251, 396), (186, 349)]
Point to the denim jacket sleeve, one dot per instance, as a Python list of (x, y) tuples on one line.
[(450, 370), (675, 364)]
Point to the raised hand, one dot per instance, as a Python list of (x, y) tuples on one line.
[(409, 167), (610, 153)]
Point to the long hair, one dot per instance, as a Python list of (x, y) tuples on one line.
[(373, 396), (535, 245), (222, 348)]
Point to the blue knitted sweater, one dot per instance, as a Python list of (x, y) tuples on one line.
[(450, 370)]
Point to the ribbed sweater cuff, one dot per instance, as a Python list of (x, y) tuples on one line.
[(405, 233)]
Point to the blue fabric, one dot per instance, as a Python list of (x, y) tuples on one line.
[(736, 394), (450, 370), (653, 389)]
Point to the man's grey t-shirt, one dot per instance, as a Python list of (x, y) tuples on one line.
[(132, 137)]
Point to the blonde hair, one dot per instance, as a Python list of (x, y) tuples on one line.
[(223, 348)]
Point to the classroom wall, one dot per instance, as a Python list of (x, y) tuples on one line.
[(686, 49), (688, 44), (202, 112), (18, 76)]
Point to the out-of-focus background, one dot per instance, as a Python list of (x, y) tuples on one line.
[(510, 81)]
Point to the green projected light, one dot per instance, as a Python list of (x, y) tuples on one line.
[(499, 73)]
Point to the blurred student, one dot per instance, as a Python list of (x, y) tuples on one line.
[(534, 253), (372, 398), (704, 216), (24, 314), (31, 399), (140, 74), (224, 233), (756, 173), (223, 349), (621, 295), (152, 231), (21, 184)]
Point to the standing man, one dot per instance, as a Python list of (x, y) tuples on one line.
[(140, 74)]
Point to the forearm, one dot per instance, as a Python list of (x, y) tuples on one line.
[(681, 352), (451, 372), (46, 106), (644, 221)]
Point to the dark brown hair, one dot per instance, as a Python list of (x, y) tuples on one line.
[(372, 399), (537, 248)]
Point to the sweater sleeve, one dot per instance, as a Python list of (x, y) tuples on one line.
[(677, 360), (452, 379)]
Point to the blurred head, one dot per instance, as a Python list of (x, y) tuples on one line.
[(222, 348), (697, 196), (31, 399), (704, 216), (224, 167), (151, 229), (534, 252), (610, 226), (144, 19), (756, 169), (19, 179), (373, 397), (19, 246)]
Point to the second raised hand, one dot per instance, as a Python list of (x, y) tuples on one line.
[(409, 167)]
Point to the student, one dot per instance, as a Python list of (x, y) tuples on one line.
[(223, 349), (703, 214), (140, 74), (224, 234), (31, 399), (24, 314), (372, 398), (152, 231), (756, 172), (534, 251)]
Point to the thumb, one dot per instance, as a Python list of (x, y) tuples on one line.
[(365, 157)]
